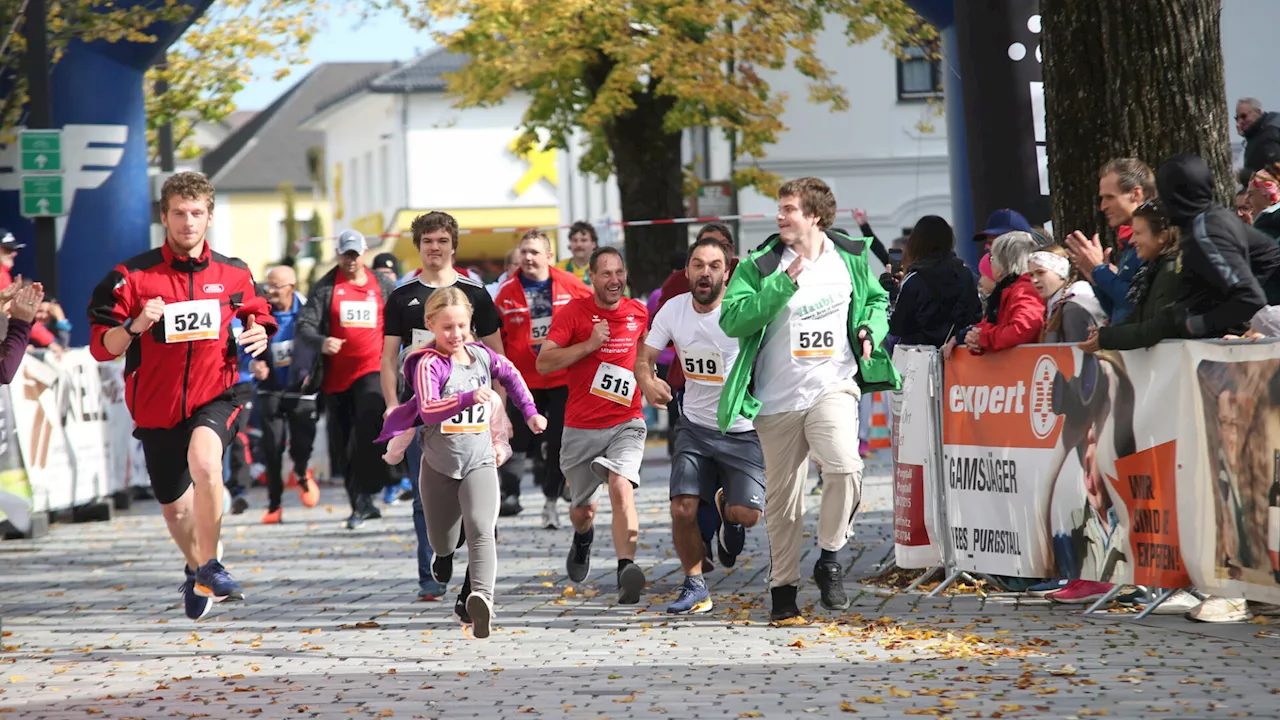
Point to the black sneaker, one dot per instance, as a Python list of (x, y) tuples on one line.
[(783, 603), (355, 520), (510, 506), (732, 537), (579, 563), (239, 504), (830, 579), (442, 568), (368, 508), (630, 584), (460, 611)]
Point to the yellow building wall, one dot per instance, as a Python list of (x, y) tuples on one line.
[(255, 222)]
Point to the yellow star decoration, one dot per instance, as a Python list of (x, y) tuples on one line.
[(542, 164)]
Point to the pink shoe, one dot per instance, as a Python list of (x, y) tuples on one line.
[(864, 448), (1080, 592)]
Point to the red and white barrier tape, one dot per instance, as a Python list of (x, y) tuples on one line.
[(620, 223)]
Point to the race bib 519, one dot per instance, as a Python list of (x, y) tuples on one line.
[(703, 365)]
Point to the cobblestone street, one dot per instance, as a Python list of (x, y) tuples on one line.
[(93, 627)]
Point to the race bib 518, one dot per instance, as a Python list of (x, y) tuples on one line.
[(358, 313)]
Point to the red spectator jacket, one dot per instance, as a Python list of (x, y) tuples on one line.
[(1019, 318), (165, 382), (517, 340)]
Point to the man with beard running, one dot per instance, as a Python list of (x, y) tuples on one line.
[(727, 470), (529, 300), (596, 339), (343, 318), (810, 316), (169, 311)]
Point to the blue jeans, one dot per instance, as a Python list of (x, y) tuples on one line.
[(413, 458)]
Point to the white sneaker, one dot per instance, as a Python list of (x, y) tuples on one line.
[(1221, 610), (550, 515), (1180, 603)]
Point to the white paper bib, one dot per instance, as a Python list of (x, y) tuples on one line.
[(703, 365), (422, 336), (614, 383), (358, 313), (474, 419), (538, 329), (282, 353), (818, 339), (192, 320)]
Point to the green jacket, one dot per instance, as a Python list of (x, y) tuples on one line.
[(1154, 319), (759, 291)]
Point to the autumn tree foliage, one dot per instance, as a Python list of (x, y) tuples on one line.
[(631, 76)]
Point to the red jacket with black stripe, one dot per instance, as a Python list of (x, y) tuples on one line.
[(517, 337), (165, 382)]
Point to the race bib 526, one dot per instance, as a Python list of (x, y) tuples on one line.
[(815, 340), (358, 313), (474, 419), (192, 320), (614, 383)]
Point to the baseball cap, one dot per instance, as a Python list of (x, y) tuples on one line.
[(388, 261), (351, 241), (1002, 221), (9, 242)]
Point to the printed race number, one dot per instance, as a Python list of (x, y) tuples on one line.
[(358, 313), (808, 341), (192, 320), (474, 419), (614, 384), (282, 353), (538, 330), (703, 365)]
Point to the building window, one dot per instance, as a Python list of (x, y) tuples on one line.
[(919, 74)]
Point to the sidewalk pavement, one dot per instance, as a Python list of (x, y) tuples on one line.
[(93, 628)]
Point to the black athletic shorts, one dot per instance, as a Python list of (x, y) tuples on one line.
[(165, 449)]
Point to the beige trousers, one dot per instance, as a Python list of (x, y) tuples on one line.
[(828, 431)]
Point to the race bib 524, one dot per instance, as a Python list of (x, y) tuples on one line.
[(192, 320)]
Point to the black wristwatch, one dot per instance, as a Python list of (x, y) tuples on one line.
[(128, 327)]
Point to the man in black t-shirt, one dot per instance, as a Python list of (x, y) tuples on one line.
[(435, 235)]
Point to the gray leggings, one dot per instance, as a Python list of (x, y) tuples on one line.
[(450, 504)]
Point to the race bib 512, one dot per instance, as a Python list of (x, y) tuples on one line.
[(474, 419)]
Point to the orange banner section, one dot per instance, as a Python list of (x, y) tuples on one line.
[(1005, 399), (1147, 483)]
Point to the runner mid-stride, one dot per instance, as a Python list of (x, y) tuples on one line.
[(169, 311)]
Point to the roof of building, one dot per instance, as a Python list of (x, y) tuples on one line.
[(424, 73), (269, 149)]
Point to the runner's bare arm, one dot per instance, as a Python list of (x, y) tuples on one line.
[(390, 371), (553, 358), (644, 364)]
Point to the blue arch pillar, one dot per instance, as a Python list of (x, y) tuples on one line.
[(97, 94)]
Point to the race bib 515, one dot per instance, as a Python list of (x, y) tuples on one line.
[(614, 383)]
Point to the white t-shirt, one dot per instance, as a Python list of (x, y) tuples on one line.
[(806, 348), (706, 354)]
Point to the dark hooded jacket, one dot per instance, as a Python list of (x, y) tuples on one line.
[(1262, 142), (936, 300), (1225, 264)]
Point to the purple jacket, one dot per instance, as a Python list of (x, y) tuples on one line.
[(13, 348), (428, 370)]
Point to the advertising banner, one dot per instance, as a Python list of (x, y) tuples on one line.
[(15, 488), (1064, 464), (915, 458), (1229, 492)]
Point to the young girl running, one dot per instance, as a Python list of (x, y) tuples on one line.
[(459, 479)]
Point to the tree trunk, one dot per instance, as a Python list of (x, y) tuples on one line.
[(646, 162), (1138, 78)]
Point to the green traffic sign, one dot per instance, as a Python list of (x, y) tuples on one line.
[(42, 196), (40, 151)]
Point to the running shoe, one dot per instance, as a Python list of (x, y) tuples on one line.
[(579, 563), (213, 581), (1046, 587), (239, 504), (1179, 603), (1221, 610), (292, 482), (694, 598), (309, 489), (365, 510), (196, 605), (630, 584), (391, 494), (480, 611), (460, 612), (732, 537), (1080, 592), (783, 602), (550, 515), (829, 577), (406, 490), (430, 590), (272, 517), (510, 506), (442, 568)]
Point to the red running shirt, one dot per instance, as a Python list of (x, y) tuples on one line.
[(355, 315), (598, 395)]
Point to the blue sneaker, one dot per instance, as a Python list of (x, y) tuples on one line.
[(732, 537), (391, 494), (1046, 587), (431, 590), (196, 606), (405, 489), (213, 581), (694, 598)]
